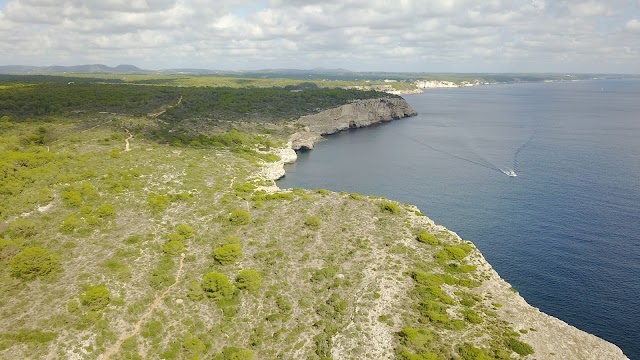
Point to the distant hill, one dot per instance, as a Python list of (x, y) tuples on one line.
[(81, 69)]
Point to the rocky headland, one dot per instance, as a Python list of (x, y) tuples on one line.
[(551, 338), (350, 116)]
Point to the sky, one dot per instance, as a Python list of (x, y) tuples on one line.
[(571, 36)]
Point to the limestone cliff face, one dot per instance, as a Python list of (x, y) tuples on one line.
[(354, 115), (275, 170)]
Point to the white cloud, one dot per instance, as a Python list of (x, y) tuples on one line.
[(416, 35), (632, 25), (589, 8)]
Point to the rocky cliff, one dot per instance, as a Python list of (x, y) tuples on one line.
[(549, 337), (354, 115)]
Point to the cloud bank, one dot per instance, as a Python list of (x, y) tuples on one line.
[(381, 35)]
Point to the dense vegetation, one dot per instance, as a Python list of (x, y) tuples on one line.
[(23, 100)]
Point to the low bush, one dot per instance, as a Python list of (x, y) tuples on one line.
[(22, 228), (96, 298), (158, 203), (185, 230), (472, 316), (419, 340), (227, 254), (425, 237), (453, 252), (425, 279), (106, 211), (389, 207), (248, 280), (233, 353), (173, 247), (469, 352), (239, 217), (217, 285), (313, 222), (519, 347), (33, 262), (70, 224)]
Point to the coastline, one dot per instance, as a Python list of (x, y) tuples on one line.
[(550, 337)]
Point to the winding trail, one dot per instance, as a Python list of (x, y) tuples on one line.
[(136, 329), (93, 127), (164, 109), (126, 141)]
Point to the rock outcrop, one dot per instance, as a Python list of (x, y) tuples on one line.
[(354, 115), (275, 170)]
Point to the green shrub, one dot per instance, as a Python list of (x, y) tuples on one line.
[(325, 273), (88, 191), (173, 247), (33, 262), (185, 230), (70, 224), (22, 228), (227, 254), (96, 298), (389, 207), (281, 196), (106, 211), (72, 198), (425, 279), (24, 337), (323, 191), (194, 347), (469, 352), (355, 196), (407, 355), (133, 239), (427, 238), (434, 292), (175, 236), (519, 347), (248, 280), (472, 316), (158, 203), (151, 329), (313, 222), (217, 285), (419, 340), (239, 217), (453, 252), (233, 353)]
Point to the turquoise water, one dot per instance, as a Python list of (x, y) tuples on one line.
[(565, 232)]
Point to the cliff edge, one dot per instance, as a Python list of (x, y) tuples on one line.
[(357, 114), (550, 338)]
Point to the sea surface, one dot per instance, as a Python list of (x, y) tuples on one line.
[(565, 231)]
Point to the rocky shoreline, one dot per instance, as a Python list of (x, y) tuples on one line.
[(552, 337), (350, 116)]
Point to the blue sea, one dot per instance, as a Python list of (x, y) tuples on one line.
[(565, 231)]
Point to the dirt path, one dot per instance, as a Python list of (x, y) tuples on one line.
[(93, 127), (126, 141), (136, 329), (164, 109)]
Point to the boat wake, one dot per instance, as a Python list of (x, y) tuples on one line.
[(509, 172)]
